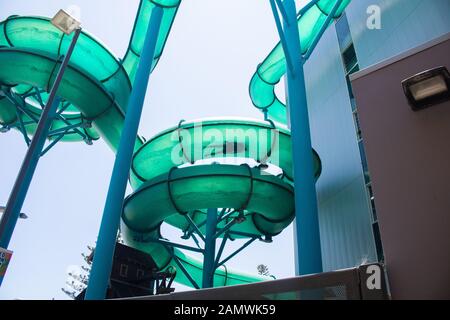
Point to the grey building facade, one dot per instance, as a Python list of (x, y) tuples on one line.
[(347, 208)]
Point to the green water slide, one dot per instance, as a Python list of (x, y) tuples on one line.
[(173, 174), (173, 185), (96, 86), (311, 20)]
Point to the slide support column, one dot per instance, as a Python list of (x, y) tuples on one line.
[(209, 256), (308, 256), (106, 241)]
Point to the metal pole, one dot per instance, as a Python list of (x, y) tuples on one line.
[(209, 256), (322, 29), (231, 256), (106, 241), (29, 164), (308, 255)]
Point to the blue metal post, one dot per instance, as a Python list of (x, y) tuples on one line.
[(106, 241), (209, 256), (29, 164), (322, 29), (307, 235)]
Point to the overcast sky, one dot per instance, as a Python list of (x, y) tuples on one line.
[(205, 70)]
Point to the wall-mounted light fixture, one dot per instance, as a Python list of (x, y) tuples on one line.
[(427, 88)]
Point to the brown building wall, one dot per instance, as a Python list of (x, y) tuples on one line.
[(409, 161)]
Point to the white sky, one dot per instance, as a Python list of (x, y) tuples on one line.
[(210, 56)]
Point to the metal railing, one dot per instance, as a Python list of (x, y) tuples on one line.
[(362, 283)]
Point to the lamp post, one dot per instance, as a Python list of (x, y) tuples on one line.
[(68, 25)]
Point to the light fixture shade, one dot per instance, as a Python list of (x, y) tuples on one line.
[(65, 22), (23, 216), (427, 88)]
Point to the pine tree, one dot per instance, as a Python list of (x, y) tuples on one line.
[(263, 270)]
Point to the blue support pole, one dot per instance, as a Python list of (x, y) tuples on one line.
[(231, 256), (175, 245), (209, 256), (106, 241), (322, 29), (219, 254), (183, 269), (284, 44), (29, 164), (307, 7), (195, 227), (308, 255)]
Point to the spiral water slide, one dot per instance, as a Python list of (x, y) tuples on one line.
[(170, 186)]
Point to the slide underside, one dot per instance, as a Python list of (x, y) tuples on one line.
[(169, 175)]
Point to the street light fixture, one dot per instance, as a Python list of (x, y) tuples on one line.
[(65, 22), (427, 88)]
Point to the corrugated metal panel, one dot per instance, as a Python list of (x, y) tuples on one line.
[(344, 213)]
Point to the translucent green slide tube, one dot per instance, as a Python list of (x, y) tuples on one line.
[(99, 74), (270, 71)]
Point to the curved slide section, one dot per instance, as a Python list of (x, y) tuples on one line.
[(268, 74), (204, 139), (170, 185), (267, 202), (37, 45), (170, 9), (36, 69)]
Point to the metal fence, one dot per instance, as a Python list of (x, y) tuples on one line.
[(361, 283)]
